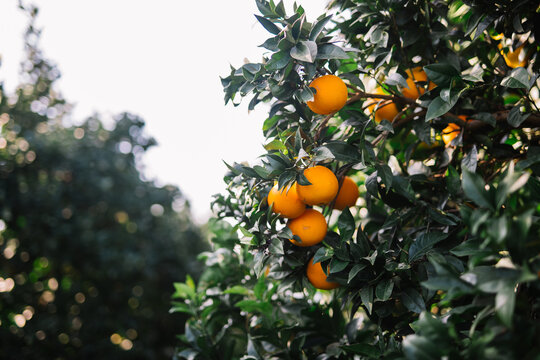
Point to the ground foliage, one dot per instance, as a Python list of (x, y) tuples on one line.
[(440, 257), (87, 248)]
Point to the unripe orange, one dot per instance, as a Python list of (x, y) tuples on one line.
[(317, 277), (323, 189), (347, 195), (310, 227), (331, 94), (286, 202)]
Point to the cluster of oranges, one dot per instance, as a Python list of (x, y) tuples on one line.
[(306, 223), (387, 109)]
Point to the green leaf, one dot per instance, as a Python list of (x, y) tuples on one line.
[(423, 243), (372, 185), (337, 265), (518, 78), (362, 242), (530, 160), (331, 51), (276, 247), (355, 270), (322, 254), (271, 43), (441, 74), (268, 25), (515, 118), (342, 151), (470, 160), (318, 27), (305, 51), (322, 153), (371, 351), (263, 7), (346, 225), (440, 107), (412, 300), (251, 306), (259, 288), (181, 308), (278, 61), (183, 291), (490, 279), (366, 294), (385, 173), (475, 74), (474, 188), (383, 291), (420, 348), (237, 289), (453, 183), (396, 79), (485, 117)]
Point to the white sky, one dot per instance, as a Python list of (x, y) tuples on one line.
[(161, 60)]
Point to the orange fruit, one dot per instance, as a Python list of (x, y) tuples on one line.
[(347, 195), (310, 227), (331, 95), (317, 277), (497, 37), (386, 109), (286, 202), (451, 131), (514, 59), (323, 189), (412, 92)]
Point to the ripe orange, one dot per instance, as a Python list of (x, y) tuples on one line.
[(451, 131), (412, 92), (386, 109), (286, 202), (347, 195), (323, 189), (331, 95), (514, 59), (310, 227), (317, 277)]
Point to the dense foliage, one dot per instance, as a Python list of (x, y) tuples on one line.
[(440, 256), (88, 249)]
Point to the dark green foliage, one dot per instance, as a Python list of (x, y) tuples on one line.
[(440, 258), (88, 248)]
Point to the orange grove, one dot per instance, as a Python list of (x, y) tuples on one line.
[(347, 195), (286, 202), (323, 189), (317, 277), (331, 94), (310, 227), (386, 109)]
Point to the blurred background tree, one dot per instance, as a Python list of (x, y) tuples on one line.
[(88, 247)]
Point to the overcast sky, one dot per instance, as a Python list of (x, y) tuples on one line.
[(161, 60)]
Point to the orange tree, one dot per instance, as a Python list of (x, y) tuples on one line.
[(439, 255)]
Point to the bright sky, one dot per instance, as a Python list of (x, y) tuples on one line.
[(161, 60)]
